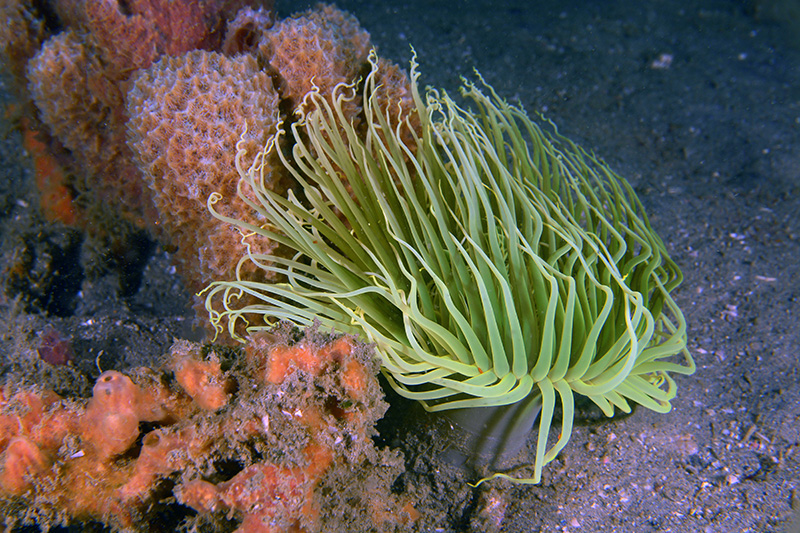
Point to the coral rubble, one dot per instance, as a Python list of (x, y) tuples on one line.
[(253, 438)]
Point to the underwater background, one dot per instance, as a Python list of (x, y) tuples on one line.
[(696, 104)]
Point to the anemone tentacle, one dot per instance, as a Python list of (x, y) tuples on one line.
[(490, 262)]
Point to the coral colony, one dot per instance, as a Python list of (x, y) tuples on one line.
[(302, 181), (134, 120)]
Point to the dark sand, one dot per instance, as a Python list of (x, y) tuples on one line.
[(698, 105)]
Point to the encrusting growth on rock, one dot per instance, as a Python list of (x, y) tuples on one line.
[(279, 419)]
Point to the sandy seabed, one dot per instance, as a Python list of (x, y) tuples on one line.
[(698, 106)]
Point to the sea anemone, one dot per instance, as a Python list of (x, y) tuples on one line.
[(492, 262)]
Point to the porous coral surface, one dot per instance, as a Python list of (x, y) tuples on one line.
[(79, 77), (319, 48), (188, 114), (133, 34), (21, 34), (83, 108), (138, 115), (246, 30)]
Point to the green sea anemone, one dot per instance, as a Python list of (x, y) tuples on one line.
[(490, 261)]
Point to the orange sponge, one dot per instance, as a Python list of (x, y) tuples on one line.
[(203, 380), (22, 460), (111, 422), (263, 456)]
